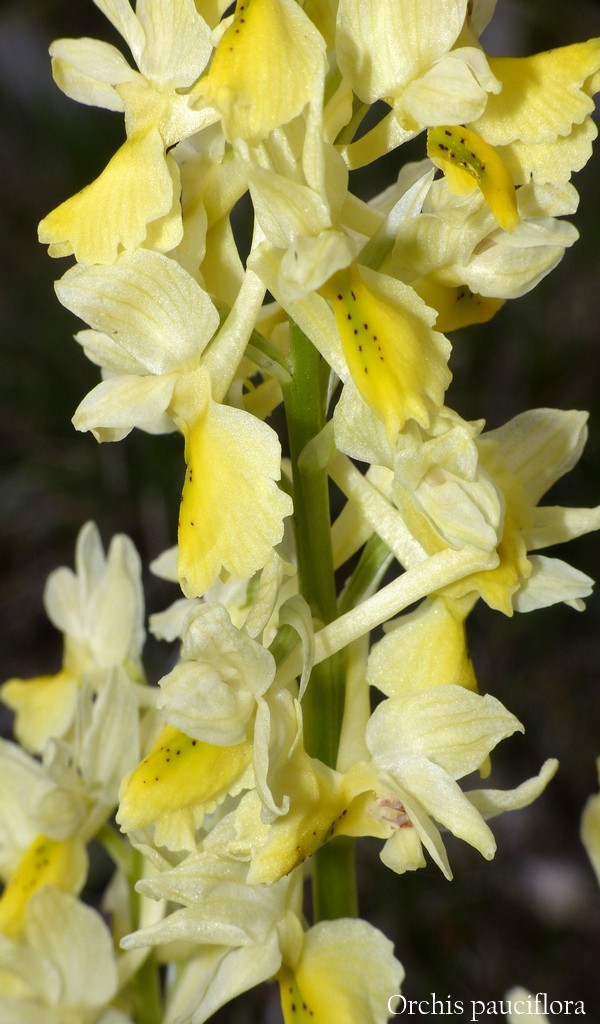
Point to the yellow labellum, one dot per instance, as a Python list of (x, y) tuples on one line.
[(468, 162), (294, 1007), (232, 510), (135, 201), (391, 352), (179, 772), (456, 307), (44, 707), (45, 862), (264, 68), (498, 586)]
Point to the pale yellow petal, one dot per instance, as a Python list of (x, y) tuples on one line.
[(180, 781), (468, 162), (382, 44), (177, 41), (346, 971), (456, 307), (149, 305), (232, 511), (398, 363), (44, 707), (447, 93), (135, 190), (87, 70), (553, 161), (426, 648), (542, 96), (266, 68), (45, 862), (115, 406)]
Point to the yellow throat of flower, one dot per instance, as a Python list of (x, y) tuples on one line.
[(391, 352), (468, 163), (180, 772), (295, 1008), (62, 863), (263, 69)]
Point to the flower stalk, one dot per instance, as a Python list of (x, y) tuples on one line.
[(333, 874)]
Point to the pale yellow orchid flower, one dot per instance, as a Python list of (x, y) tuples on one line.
[(135, 201), (99, 609)]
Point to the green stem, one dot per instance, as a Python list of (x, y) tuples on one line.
[(305, 415), (334, 886), (148, 1000)]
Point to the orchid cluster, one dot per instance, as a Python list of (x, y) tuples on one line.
[(282, 735)]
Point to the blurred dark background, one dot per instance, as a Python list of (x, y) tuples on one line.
[(532, 916)]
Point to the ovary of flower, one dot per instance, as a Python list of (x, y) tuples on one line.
[(469, 162), (61, 863), (180, 781), (541, 118), (269, 63), (135, 200), (398, 363), (99, 609)]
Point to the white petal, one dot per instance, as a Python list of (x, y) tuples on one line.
[(443, 799), (88, 71), (177, 44), (148, 303), (111, 745), (212, 693), (551, 582), (75, 938), (541, 445), (382, 45), (446, 94), (104, 351), (490, 802), (449, 725), (116, 608), (114, 407), (554, 524), (120, 14)]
